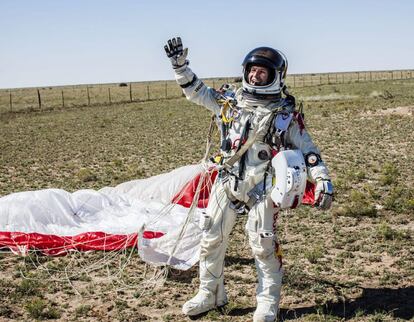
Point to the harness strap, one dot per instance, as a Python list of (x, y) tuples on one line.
[(237, 156)]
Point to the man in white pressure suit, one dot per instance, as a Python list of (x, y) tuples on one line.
[(257, 121)]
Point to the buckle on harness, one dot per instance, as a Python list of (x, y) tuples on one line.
[(239, 207)]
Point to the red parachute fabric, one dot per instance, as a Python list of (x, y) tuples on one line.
[(54, 245), (309, 196), (186, 195)]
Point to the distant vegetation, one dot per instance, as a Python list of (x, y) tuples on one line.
[(29, 99)]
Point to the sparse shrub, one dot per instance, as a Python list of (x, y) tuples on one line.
[(399, 200), (381, 317), (312, 255), (118, 163), (393, 200), (359, 205), (168, 317), (144, 302), (356, 211), (386, 232), (360, 174), (83, 310), (86, 175), (389, 174), (409, 204), (121, 304), (388, 278), (325, 113), (39, 309), (295, 277), (340, 184), (160, 305), (28, 288), (357, 197), (213, 315), (372, 192)]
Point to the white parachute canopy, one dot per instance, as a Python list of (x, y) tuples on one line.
[(150, 211)]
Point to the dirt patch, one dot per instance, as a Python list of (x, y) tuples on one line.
[(329, 97), (400, 110)]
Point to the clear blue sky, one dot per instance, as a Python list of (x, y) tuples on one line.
[(58, 42)]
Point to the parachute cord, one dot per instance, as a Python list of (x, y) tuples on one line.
[(209, 135), (203, 177)]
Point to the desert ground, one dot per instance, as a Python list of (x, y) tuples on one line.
[(351, 263)]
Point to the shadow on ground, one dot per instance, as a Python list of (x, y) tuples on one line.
[(399, 302)]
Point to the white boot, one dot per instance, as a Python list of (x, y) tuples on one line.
[(205, 301), (265, 312), (216, 231), (267, 260), (268, 289)]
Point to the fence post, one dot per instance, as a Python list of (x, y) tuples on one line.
[(294, 81), (63, 100), (11, 101), (109, 95), (89, 98), (214, 84), (148, 93), (39, 99), (320, 79), (166, 90), (329, 80), (130, 92)]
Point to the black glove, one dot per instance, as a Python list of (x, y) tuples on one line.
[(176, 53)]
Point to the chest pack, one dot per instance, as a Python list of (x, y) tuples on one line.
[(276, 135)]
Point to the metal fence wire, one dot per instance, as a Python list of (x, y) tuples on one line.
[(27, 99)]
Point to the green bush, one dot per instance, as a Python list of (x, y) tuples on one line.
[(312, 255), (386, 232), (389, 174), (39, 309)]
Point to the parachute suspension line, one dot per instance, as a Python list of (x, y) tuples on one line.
[(202, 181), (209, 135), (167, 209)]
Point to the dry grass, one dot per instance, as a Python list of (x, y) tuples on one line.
[(354, 262)]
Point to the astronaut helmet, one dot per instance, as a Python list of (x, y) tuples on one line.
[(254, 69)]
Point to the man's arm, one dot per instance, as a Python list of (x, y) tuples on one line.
[(317, 170), (193, 87)]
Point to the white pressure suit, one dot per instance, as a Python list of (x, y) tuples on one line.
[(263, 126)]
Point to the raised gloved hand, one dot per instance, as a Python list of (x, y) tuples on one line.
[(323, 194), (176, 53)]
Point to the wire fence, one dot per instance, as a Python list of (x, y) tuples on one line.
[(31, 99)]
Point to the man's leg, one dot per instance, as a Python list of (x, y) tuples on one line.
[(261, 228), (218, 223)]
